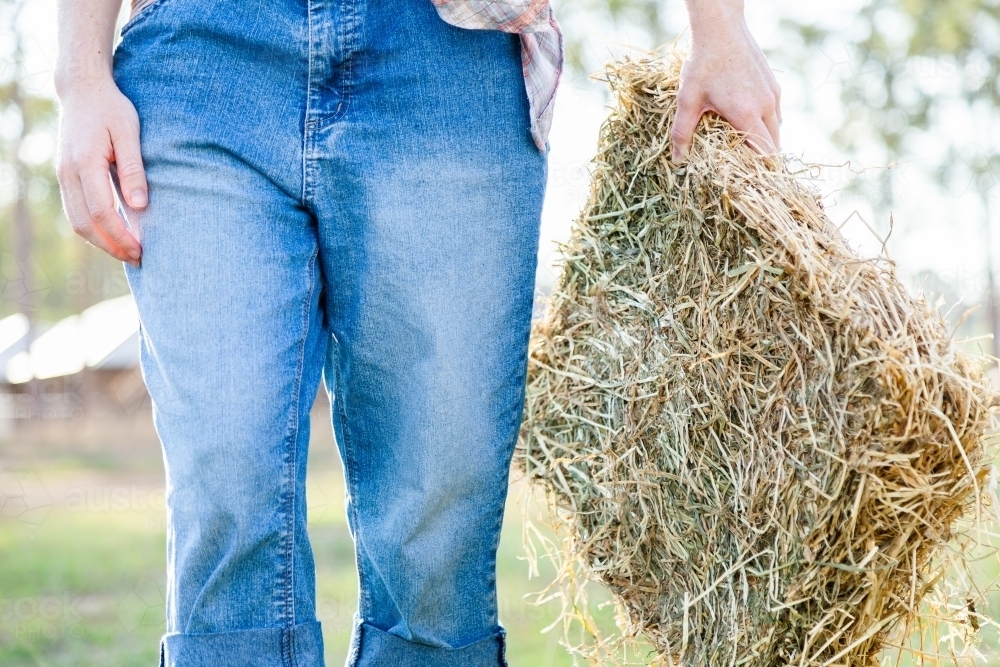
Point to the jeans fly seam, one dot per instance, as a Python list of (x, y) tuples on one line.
[(348, 42), (350, 46)]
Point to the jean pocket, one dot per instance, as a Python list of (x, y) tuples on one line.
[(141, 10)]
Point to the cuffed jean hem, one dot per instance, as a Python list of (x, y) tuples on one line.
[(376, 648), (299, 646)]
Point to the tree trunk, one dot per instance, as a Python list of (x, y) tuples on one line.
[(23, 230)]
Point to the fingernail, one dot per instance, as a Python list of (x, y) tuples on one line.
[(135, 254), (138, 198)]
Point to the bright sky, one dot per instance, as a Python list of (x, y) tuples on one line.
[(942, 233)]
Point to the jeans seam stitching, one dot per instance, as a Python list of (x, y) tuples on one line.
[(287, 655), (350, 466), (356, 644), (306, 130), (351, 45), (349, 29), (292, 467), (522, 378)]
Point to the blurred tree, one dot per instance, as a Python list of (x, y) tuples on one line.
[(642, 23), (19, 275), (45, 271), (923, 82), (911, 71)]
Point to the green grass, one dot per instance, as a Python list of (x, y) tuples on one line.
[(81, 577), (337, 581), (69, 590), (82, 559), (81, 565)]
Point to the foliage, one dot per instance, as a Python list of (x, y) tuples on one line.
[(45, 271), (643, 23)]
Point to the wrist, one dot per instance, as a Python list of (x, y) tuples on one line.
[(71, 79), (714, 16)]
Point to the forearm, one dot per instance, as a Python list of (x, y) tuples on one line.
[(86, 34), (98, 130), (706, 15), (726, 72)]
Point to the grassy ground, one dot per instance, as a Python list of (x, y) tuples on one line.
[(82, 543), (81, 558)]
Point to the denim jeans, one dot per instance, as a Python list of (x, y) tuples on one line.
[(344, 190)]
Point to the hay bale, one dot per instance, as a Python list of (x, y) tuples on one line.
[(757, 440)]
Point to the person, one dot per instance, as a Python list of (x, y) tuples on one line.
[(348, 190)]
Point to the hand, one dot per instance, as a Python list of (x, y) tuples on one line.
[(98, 127), (726, 73)]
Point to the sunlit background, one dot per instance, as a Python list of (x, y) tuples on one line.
[(898, 99)]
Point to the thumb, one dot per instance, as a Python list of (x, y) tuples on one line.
[(128, 165), (689, 111)]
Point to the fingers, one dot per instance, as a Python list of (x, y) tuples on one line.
[(772, 115), (689, 112), (759, 137), (772, 123), (98, 127), (128, 165), (102, 213), (77, 212), (776, 91)]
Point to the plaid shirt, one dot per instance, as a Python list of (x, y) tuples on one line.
[(541, 46)]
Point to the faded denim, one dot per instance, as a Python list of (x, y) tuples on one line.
[(346, 190)]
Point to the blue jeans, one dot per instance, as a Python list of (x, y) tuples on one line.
[(345, 190)]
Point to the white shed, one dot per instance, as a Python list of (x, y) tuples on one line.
[(103, 337)]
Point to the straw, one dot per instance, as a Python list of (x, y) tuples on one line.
[(758, 441)]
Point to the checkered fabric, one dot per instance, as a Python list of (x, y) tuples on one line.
[(541, 46)]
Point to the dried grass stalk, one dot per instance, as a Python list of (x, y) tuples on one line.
[(758, 441)]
